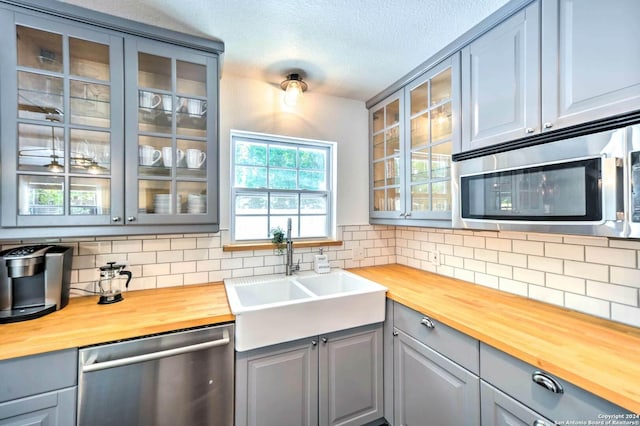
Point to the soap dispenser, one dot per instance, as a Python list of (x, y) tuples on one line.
[(321, 263)]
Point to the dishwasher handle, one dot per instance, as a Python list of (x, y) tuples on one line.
[(91, 365)]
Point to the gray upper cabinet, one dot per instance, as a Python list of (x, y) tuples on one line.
[(62, 128), (171, 151), (587, 70), (413, 135), (590, 60), (104, 127), (500, 82)]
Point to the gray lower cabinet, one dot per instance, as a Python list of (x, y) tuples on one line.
[(56, 408), (430, 389), (551, 397), (332, 379), (499, 409), (39, 389)]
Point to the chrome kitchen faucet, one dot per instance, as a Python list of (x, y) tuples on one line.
[(290, 268)]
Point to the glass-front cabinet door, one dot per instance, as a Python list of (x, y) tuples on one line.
[(172, 146), (60, 84), (387, 164), (431, 105)]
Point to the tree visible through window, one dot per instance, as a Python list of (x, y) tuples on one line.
[(276, 178)]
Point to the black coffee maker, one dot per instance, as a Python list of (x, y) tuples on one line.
[(34, 281)]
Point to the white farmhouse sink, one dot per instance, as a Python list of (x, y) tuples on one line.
[(274, 309)]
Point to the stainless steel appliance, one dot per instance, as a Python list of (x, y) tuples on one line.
[(179, 378), (588, 185), (34, 281)]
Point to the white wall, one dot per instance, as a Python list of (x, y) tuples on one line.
[(256, 106)]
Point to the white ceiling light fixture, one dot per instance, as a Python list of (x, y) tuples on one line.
[(293, 87)]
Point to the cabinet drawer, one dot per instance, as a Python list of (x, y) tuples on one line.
[(499, 409), (52, 409), (515, 378), (40, 373), (449, 342)]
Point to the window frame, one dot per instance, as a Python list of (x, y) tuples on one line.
[(329, 192)]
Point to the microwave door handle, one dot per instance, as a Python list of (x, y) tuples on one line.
[(612, 189)]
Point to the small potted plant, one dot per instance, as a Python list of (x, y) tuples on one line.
[(278, 239)]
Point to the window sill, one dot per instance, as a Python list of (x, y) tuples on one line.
[(270, 246)]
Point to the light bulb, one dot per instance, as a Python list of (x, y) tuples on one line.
[(293, 92)]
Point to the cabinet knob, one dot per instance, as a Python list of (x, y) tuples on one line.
[(427, 322), (131, 219), (529, 130), (116, 219), (314, 342), (395, 333), (547, 382), (324, 340), (548, 125)]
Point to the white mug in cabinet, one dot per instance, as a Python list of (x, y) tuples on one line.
[(167, 156), (148, 155), (195, 158)]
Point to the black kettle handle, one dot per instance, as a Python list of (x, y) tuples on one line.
[(128, 274)]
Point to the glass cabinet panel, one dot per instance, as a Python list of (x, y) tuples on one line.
[(431, 147), (386, 157), (174, 142), (63, 134)]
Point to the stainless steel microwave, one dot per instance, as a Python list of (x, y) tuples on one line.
[(587, 185)]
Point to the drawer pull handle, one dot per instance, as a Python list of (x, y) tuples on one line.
[(427, 322), (540, 423), (547, 382)]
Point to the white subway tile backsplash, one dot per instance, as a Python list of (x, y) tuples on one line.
[(589, 305), (565, 283), (534, 248), (610, 256), (513, 259), (590, 274), (625, 276), (564, 251), (613, 293), (512, 286), (463, 274), (473, 241), (626, 314), (183, 267), (545, 264), (485, 255), (499, 244), (461, 251), (545, 294), (586, 270), (504, 271), (529, 276)]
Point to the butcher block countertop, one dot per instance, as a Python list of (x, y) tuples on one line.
[(83, 322), (600, 356)]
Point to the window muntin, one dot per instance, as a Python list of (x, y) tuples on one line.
[(276, 178)]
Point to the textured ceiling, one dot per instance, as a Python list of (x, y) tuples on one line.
[(347, 48)]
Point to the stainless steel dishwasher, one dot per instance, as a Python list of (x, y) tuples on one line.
[(179, 378)]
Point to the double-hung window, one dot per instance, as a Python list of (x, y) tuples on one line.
[(275, 178)]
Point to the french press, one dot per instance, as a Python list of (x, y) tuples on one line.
[(110, 284)]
